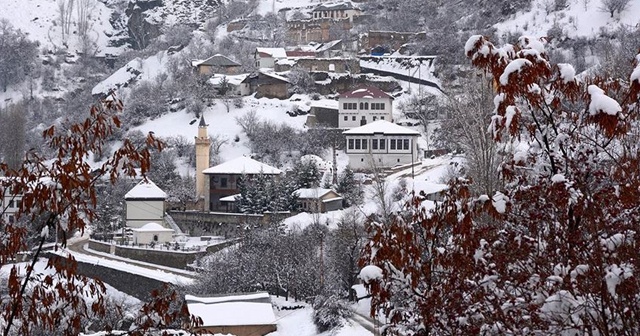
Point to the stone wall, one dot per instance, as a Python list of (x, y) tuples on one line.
[(169, 258), (133, 284), (223, 224)]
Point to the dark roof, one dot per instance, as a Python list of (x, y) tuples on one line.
[(202, 123), (219, 60), (331, 7), (365, 92)]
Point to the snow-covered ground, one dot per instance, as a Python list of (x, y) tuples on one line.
[(580, 18), (40, 20)]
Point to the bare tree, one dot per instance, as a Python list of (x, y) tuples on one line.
[(65, 10), (612, 6), (85, 25)]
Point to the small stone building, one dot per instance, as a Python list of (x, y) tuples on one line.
[(240, 314), (267, 84), (318, 200), (217, 64), (152, 233)]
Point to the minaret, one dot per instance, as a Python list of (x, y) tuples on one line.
[(203, 143)]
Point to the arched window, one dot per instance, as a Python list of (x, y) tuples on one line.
[(155, 238)]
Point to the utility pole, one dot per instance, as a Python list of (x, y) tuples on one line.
[(335, 162)]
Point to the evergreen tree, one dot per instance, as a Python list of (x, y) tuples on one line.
[(349, 187)]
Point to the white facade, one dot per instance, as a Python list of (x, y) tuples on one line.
[(152, 232), (145, 204), (363, 106), (10, 204), (381, 145), (267, 57)]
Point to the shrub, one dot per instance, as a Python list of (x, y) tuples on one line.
[(330, 312)]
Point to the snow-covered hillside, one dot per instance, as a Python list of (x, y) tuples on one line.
[(40, 20), (580, 18)]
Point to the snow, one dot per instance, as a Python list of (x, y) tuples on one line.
[(381, 127), (601, 103), (515, 65), (499, 202), (558, 178), (471, 43), (40, 21), (575, 20), (233, 311), (226, 298), (419, 67), (370, 273), (273, 52), (615, 275), (510, 112), (312, 192), (567, 72), (152, 227), (216, 79), (145, 190), (635, 75), (243, 165), (527, 42), (138, 69)]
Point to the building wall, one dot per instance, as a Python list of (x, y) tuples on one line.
[(146, 237), (210, 70), (141, 212), (278, 91), (368, 158), (251, 330), (265, 62), (11, 204), (354, 117)]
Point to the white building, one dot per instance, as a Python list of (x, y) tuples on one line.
[(266, 57), (336, 11), (364, 105), (381, 144), (152, 232), (10, 203), (145, 204)]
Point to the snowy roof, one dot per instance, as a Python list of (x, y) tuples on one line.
[(334, 6), (216, 60), (273, 52), (232, 80), (152, 227), (231, 198), (312, 192), (242, 165), (381, 127), (365, 92), (273, 75), (326, 103), (145, 190), (235, 310)]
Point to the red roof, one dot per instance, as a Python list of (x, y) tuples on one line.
[(366, 92)]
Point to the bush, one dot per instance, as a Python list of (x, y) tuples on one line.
[(330, 312)]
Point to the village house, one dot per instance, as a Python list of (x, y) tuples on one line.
[(381, 144), (240, 314), (364, 105), (336, 64), (222, 180), (145, 204), (316, 30), (335, 11), (318, 200), (235, 84), (266, 84), (323, 113), (266, 57), (217, 64)]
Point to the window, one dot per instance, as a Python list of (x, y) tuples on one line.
[(155, 238), (381, 106), (19, 204), (357, 143), (364, 143), (362, 106), (374, 143), (382, 118), (346, 118), (11, 204), (223, 182), (345, 106), (392, 144), (353, 118), (12, 219), (375, 118), (406, 143), (353, 106), (383, 143), (350, 143), (366, 106)]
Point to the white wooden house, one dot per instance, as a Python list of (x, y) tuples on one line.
[(381, 144), (362, 106)]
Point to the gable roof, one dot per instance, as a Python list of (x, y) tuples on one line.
[(365, 92), (146, 190), (217, 60), (381, 127), (232, 310), (272, 52), (243, 165), (312, 192), (334, 6)]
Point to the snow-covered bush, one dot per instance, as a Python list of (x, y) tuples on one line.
[(330, 312)]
